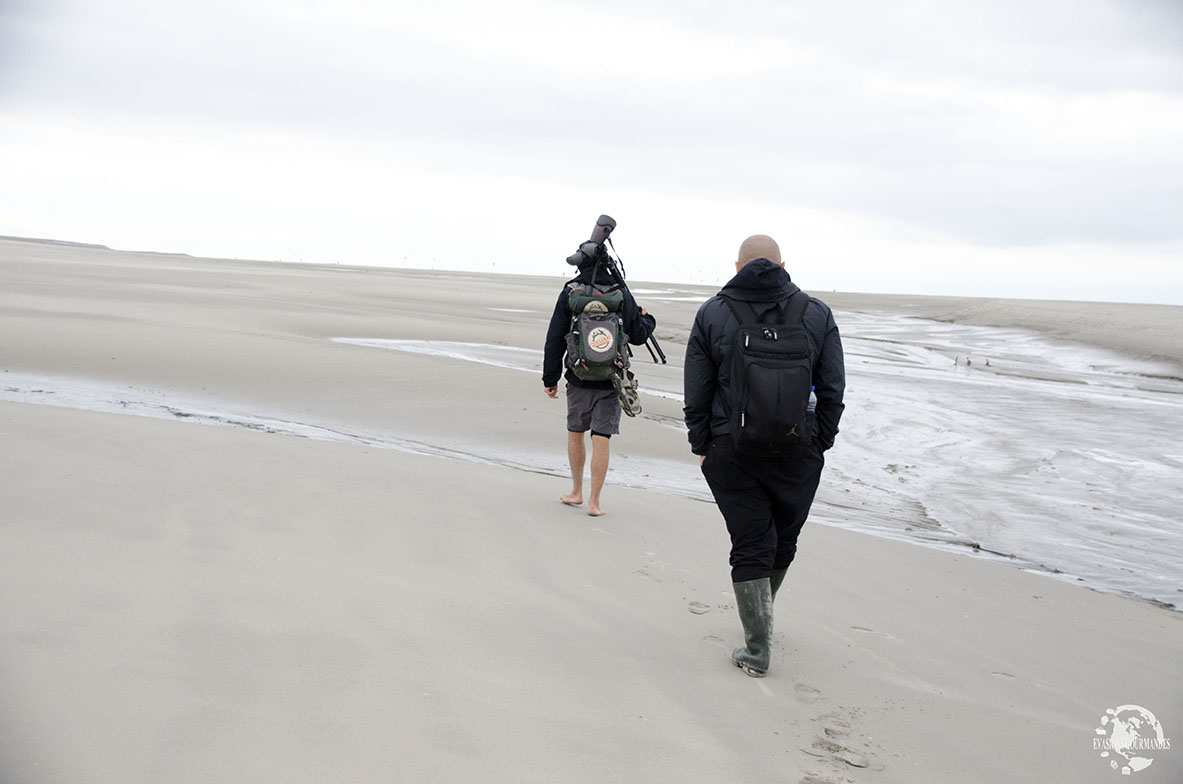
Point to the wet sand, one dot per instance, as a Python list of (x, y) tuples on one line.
[(190, 603)]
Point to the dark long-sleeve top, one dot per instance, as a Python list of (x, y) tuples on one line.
[(706, 376), (639, 327)]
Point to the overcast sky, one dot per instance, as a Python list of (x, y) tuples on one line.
[(979, 147)]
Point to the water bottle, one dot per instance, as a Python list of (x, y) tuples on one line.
[(812, 404)]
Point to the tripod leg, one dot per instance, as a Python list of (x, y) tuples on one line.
[(657, 346)]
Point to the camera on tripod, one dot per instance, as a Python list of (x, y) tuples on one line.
[(593, 250)]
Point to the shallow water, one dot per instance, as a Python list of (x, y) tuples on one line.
[(1061, 458), (1065, 456), (659, 381)]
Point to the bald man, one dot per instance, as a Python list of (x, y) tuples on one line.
[(764, 500)]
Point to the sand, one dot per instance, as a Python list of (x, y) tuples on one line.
[(190, 604), (1149, 332)]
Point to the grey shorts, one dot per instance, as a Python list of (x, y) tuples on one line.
[(597, 410)]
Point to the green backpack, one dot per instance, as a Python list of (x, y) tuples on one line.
[(596, 343)]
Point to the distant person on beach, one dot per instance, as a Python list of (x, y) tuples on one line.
[(764, 494), (591, 405)]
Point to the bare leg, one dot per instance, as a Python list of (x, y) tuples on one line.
[(576, 455), (599, 470)]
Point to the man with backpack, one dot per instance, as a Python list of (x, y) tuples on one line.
[(764, 379), (594, 317)]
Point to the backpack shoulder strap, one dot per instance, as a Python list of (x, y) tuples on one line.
[(791, 310), (743, 311), (795, 306)]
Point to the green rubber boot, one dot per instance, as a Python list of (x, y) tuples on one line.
[(754, 600), (778, 577)]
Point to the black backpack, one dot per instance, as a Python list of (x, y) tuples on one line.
[(771, 377)]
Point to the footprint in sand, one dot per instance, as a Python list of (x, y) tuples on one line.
[(807, 694), (698, 608), (651, 567), (834, 745), (842, 754), (834, 725)]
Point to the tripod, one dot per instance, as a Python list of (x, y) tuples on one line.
[(651, 343)]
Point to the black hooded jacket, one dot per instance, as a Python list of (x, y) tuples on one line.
[(708, 355), (637, 326)]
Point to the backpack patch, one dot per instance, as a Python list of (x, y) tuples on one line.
[(771, 376)]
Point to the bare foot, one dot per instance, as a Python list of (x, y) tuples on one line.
[(594, 510), (572, 499)]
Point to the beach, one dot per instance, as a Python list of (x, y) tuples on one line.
[(277, 522)]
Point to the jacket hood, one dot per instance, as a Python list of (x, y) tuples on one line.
[(760, 281), (603, 276)]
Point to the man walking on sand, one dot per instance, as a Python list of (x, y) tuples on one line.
[(591, 405), (764, 496)]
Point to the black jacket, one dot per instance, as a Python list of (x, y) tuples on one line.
[(638, 327), (708, 355)]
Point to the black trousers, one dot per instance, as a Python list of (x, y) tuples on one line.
[(764, 501)]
